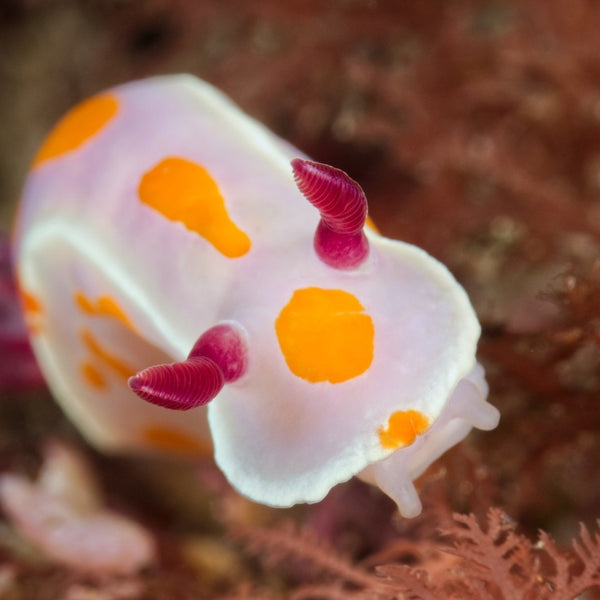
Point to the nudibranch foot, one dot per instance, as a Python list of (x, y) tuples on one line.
[(465, 408), (468, 402), (339, 240), (393, 480), (473, 409)]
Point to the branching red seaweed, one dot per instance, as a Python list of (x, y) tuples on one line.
[(494, 562)]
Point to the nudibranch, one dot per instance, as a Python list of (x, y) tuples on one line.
[(195, 285), (63, 514)]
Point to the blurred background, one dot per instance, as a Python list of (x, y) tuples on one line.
[(474, 128)]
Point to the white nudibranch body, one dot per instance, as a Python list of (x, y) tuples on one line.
[(171, 259)]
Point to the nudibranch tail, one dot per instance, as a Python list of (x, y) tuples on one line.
[(179, 386), (339, 241), (219, 356)]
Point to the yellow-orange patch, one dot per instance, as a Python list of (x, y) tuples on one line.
[(371, 225), (116, 364), (103, 306), (78, 126), (184, 191), (167, 439), (32, 310), (402, 428), (30, 303), (325, 335), (92, 376)]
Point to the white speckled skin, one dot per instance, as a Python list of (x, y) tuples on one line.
[(278, 438)]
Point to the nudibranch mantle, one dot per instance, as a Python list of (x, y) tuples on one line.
[(167, 240)]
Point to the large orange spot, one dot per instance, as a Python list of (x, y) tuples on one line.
[(103, 306), (171, 440), (77, 126), (403, 426), (324, 335), (184, 191), (116, 364)]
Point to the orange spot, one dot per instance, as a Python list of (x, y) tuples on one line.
[(171, 440), (85, 304), (92, 375), (403, 426), (77, 126), (324, 335), (116, 364), (371, 225), (104, 306), (32, 310), (184, 191), (30, 303)]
